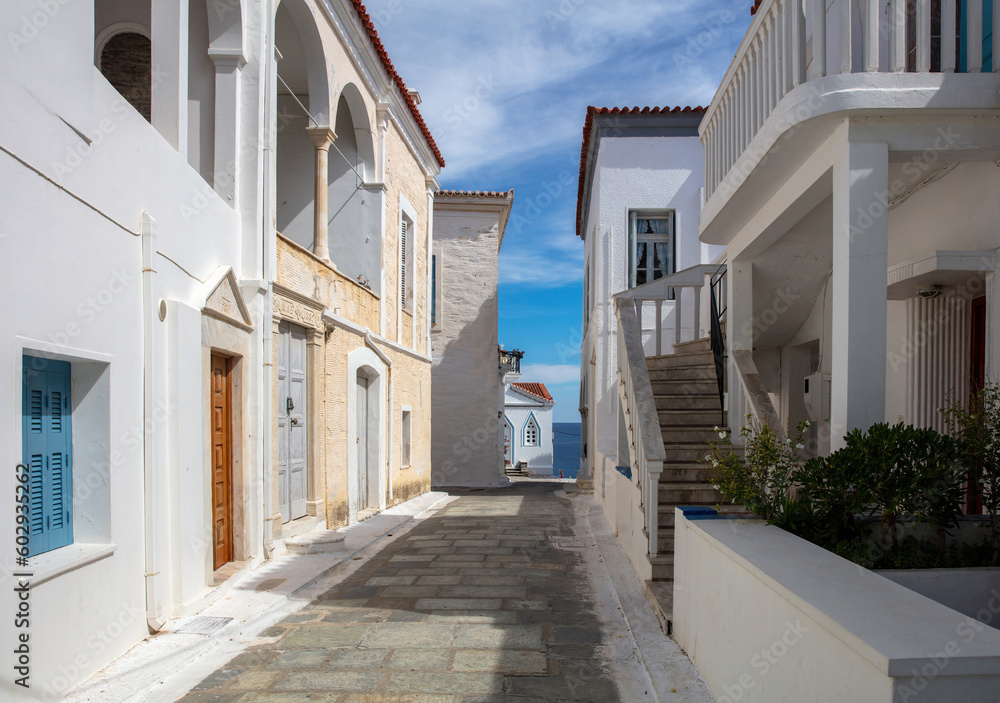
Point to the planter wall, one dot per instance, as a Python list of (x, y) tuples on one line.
[(769, 617)]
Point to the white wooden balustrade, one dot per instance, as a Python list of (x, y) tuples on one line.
[(646, 452), (791, 42), (658, 313)]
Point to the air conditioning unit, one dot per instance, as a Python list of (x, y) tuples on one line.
[(816, 396)]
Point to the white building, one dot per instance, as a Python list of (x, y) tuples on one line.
[(147, 150), (467, 427), (528, 426), (637, 213)]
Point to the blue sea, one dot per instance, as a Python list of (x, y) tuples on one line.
[(566, 447)]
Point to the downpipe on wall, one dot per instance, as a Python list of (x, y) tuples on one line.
[(267, 269), (154, 611)]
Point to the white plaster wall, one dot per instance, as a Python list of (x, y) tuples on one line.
[(71, 259), (466, 382), (517, 409)]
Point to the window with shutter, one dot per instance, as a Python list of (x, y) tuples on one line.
[(404, 264), (47, 444)]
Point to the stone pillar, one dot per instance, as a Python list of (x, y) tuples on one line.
[(316, 446), (228, 67), (860, 255), (322, 138)]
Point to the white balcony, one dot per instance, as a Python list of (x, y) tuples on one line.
[(803, 59)]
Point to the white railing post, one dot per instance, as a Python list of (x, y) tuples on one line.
[(923, 36), (799, 44), (697, 313), (846, 65), (819, 39), (897, 36), (948, 33), (659, 327), (871, 35), (974, 31)]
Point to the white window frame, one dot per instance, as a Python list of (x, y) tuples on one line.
[(406, 437), (634, 238), (531, 422), (405, 296), (436, 290)]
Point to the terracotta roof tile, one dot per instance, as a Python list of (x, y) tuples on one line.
[(756, 6), (476, 193), (536, 389), (588, 129), (391, 70)]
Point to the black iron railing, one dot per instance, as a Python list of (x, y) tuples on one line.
[(510, 360), (719, 307)]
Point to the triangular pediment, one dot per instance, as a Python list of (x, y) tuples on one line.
[(224, 300)]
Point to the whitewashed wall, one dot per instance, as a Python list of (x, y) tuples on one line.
[(81, 168), (465, 376)]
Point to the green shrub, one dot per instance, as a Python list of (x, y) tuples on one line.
[(977, 429), (760, 478), (886, 473)]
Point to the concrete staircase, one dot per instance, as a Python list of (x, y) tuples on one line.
[(687, 401)]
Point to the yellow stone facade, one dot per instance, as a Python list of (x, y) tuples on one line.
[(305, 288)]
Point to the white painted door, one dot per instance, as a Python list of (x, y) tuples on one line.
[(362, 442), (292, 475)]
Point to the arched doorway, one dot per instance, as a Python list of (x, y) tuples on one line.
[(366, 434)]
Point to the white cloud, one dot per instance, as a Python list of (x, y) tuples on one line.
[(550, 374)]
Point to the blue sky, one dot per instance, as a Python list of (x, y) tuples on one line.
[(505, 89)]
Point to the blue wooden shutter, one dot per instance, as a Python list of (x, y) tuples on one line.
[(987, 37), (48, 448)]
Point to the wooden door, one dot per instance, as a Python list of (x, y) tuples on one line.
[(362, 442), (292, 474), (222, 454)]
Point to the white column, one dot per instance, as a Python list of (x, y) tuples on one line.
[(169, 88), (948, 31), (819, 39), (860, 241), (974, 26), (228, 67), (897, 36), (872, 35), (322, 139), (845, 36), (739, 330)]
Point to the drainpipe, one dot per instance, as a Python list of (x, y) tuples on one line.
[(267, 269), (388, 362), (154, 613)]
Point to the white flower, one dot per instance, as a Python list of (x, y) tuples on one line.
[(800, 446), (722, 435), (807, 423)]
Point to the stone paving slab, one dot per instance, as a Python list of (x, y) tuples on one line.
[(477, 603)]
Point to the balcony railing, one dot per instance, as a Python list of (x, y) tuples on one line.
[(510, 361), (791, 42)]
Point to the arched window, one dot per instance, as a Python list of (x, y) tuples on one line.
[(531, 434), (125, 59)]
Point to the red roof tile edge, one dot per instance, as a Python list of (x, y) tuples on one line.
[(476, 193), (588, 128), (391, 70), (536, 389)]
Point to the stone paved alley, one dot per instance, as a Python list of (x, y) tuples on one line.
[(489, 599)]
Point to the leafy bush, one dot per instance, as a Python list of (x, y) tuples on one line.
[(760, 478), (977, 429), (886, 473)]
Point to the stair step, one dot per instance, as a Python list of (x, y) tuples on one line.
[(692, 473), (689, 416), (687, 401), (317, 542), (688, 494), (663, 567), (670, 361), (695, 345), (683, 373), (688, 434)]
